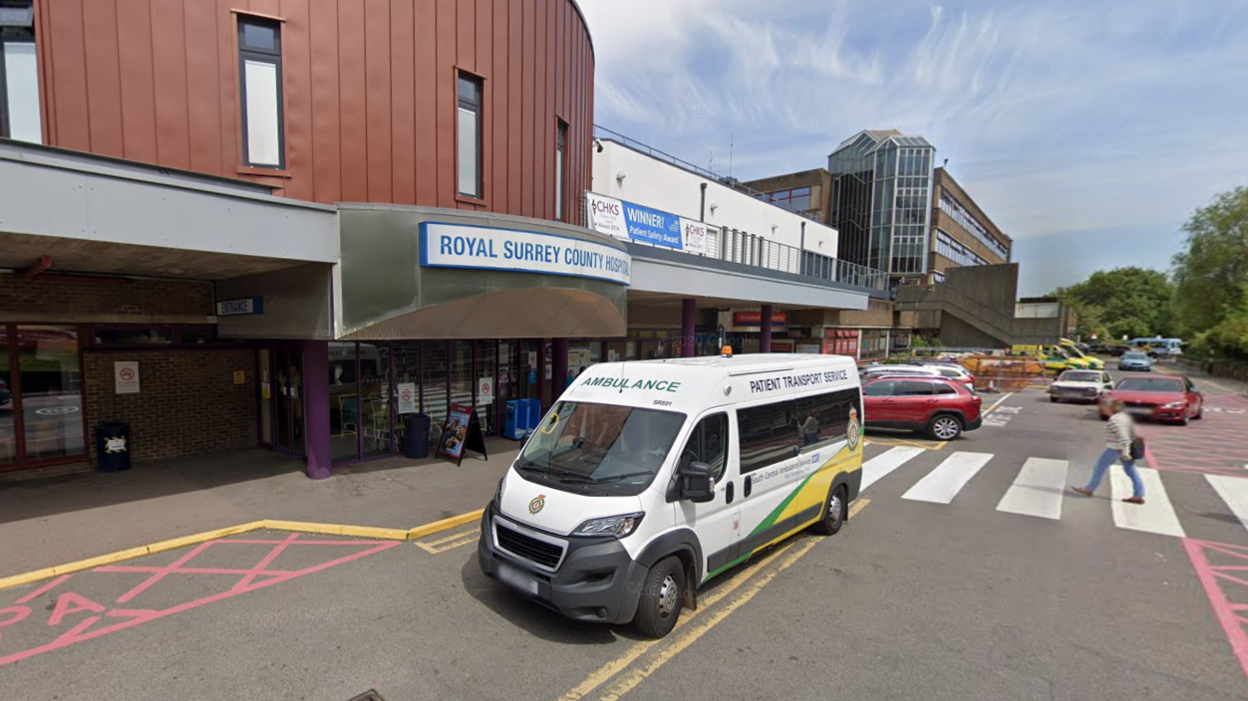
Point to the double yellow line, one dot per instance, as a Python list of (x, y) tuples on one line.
[(687, 631), (294, 526)]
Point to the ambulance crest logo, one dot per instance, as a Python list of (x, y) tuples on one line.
[(854, 433), (537, 504)]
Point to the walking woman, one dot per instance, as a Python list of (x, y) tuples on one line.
[(1119, 435)]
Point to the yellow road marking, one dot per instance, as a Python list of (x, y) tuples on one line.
[(894, 442), (604, 674), (445, 544), (297, 526), (690, 637), (618, 665), (444, 524), (857, 506), (449, 538)]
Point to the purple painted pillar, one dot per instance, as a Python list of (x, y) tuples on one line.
[(764, 344), (559, 368), (688, 317), (316, 408)]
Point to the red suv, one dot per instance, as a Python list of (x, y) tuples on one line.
[(941, 407)]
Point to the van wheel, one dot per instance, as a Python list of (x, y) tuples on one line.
[(944, 427), (1053, 400), (833, 513), (661, 598)]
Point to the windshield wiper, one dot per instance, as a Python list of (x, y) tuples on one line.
[(553, 471), (616, 478)]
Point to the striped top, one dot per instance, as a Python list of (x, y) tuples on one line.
[(1118, 431)]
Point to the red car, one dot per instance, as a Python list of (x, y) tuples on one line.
[(1173, 398), (941, 407)]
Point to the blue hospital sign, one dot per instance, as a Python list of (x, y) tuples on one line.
[(479, 247)]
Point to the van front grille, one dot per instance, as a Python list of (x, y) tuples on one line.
[(522, 545)]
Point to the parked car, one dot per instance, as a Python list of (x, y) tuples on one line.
[(1170, 398), (6, 395), (1135, 360), (1080, 385), (877, 370), (952, 371), (938, 406)]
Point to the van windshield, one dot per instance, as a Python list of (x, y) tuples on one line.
[(600, 448)]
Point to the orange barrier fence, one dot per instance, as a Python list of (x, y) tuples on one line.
[(1003, 374)]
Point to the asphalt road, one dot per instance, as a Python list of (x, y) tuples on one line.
[(938, 588)]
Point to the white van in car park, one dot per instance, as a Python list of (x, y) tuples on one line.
[(647, 479)]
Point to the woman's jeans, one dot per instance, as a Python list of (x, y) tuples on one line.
[(1108, 458)]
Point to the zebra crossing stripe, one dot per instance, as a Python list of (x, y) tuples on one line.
[(1234, 491), (878, 467), (1155, 515), (941, 485), (1038, 490)]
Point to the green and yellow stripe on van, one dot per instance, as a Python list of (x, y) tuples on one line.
[(802, 507)]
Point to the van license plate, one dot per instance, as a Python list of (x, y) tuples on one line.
[(515, 578)]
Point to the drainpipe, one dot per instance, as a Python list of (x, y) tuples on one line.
[(702, 211)]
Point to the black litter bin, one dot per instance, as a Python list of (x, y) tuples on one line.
[(112, 446), (416, 436)]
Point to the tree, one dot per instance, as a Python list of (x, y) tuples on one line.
[(1211, 276), (1128, 302)]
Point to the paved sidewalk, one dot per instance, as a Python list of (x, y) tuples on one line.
[(55, 521), (1207, 382)]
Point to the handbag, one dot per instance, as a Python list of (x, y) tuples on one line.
[(1137, 447)]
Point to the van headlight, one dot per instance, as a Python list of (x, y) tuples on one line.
[(498, 493), (618, 526)]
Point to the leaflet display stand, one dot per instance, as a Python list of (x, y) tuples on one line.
[(462, 431)]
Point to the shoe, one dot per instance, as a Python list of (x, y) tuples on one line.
[(1134, 500), (1081, 490)]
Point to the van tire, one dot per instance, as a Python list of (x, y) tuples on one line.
[(662, 597), (833, 512)]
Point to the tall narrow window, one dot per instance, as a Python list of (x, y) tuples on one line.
[(19, 73), (260, 76), (561, 144), (469, 147)]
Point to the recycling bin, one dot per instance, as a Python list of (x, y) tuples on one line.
[(515, 417), (416, 436), (532, 414), (112, 446)]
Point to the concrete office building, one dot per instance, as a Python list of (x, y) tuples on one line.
[(894, 210)]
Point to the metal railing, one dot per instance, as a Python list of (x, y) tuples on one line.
[(737, 246), (606, 134)]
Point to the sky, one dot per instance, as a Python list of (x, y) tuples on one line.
[(1088, 131)]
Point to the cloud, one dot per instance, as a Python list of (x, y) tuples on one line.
[(1067, 118)]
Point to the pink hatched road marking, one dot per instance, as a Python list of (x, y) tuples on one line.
[(1227, 611), (260, 566), (164, 572), (43, 589), (259, 541), (138, 617), (185, 570)]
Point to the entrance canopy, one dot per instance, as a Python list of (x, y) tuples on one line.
[(427, 273)]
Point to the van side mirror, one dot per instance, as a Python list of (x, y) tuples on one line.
[(696, 483)]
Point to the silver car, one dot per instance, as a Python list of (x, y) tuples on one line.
[(1080, 386)]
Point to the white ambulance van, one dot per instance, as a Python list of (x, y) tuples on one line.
[(647, 479)]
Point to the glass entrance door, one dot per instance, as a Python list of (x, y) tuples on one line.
[(41, 410), (286, 371)]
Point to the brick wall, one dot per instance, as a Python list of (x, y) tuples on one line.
[(187, 401), (54, 297)]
